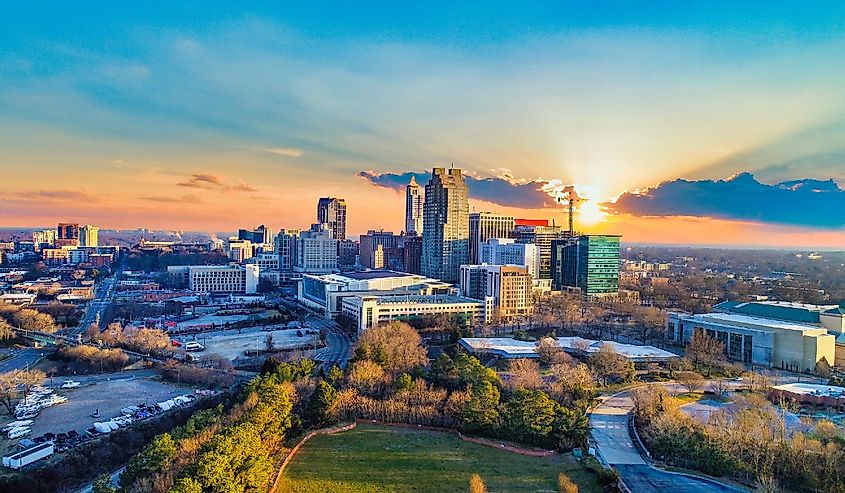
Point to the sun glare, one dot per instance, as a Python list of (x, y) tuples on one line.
[(590, 213)]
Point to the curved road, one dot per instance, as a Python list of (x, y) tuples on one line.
[(609, 428)]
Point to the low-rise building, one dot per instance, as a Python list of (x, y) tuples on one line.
[(510, 287), (219, 279), (759, 341), (509, 348), (370, 311)]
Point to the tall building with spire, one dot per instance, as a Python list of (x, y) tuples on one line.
[(414, 201), (331, 211), (445, 245)]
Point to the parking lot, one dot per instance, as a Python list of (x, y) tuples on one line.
[(109, 397), (232, 345)]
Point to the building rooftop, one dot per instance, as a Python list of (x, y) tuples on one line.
[(812, 389), (507, 347), (781, 310), (771, 323), (374, 274)]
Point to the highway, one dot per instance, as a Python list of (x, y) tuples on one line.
[(21, 359), (103, 297)]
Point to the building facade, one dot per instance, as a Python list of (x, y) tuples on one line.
[(509, 286), (370, 311), (412, 254), (486, 225), (240, 250), (414, 202), (67, 234), (316, 251), (374, 245), (506, 251), (542, 237), (89, 236), (331, 211), (219, 279), (445, 225), (589, 263)]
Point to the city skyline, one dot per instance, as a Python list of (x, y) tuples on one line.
[(680, 126)]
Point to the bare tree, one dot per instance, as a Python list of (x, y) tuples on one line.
[(691, 380)]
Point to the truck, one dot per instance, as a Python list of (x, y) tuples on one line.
[(28, 456)]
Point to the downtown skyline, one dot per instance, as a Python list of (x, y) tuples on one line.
[(204, 122)]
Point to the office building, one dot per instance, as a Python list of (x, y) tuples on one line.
[(374, 245), (89, 236), (326, 292), (486, 225), (412, 254), (542, 236), (258, 236), (759, 341), (316, 251), (240, 250), (589, 263), (331, 211), (506, 251), (268, 267), (347, 253), (445, 225), (414, 202), (508, 285), (219, 279), (44, 239), (67, 235), (372, 310)]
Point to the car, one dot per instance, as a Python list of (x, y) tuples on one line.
[(70, 384)]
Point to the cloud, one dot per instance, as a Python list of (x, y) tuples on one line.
[(50, 195), (805, 202), (503, 190), (185, 199), (284, 151), (212, 182)]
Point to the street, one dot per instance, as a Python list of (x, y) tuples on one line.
[(103, 296), (21, 359)]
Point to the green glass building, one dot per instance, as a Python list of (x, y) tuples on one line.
[(588, 262)]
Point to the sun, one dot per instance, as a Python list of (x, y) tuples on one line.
[(589, 213)]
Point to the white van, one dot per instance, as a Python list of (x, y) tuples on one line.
[(19, 432), (194, 346)]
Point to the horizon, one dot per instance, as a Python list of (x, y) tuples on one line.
[(717, 125)]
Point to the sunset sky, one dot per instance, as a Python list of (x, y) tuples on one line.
[(716, 123)]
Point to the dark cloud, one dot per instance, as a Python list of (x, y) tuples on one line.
[(807, 202), (213, 182), (52, 195), (504, 191)]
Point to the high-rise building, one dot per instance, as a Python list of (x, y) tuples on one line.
[(445, 225), (510, 287), (486, 225), (44, 238), (316, 251), (240, 250), (89, 236), (506, 251), (412, 254), (261, 235), (414, 202), (373, 248), (331, 211), (68, 234), (347, 252), (285, 246), (542, 236), (588, 262)]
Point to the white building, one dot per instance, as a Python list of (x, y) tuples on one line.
[(509, 286), (414, 202), (506, 251), (219, 279), (240, 250), (326, 292), (316, 251), (506, 347), (482, 227), (370, 311), (268, 266)]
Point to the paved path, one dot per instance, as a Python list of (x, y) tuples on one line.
[(609, 428)]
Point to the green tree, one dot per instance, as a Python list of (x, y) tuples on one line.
[(404, 382), (187, 485), (321, 405), (481, 412), (103, 485), (571, 427), (529, 415), (151, 459), (236, 461), (335, 376)]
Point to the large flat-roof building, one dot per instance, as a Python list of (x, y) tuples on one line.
[(509, 348), (758, 341), (370, 311), (326, 292), (219, 279)]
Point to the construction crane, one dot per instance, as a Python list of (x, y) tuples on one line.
[(568, 194)]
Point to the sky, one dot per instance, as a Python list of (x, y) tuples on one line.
[(718, 123)]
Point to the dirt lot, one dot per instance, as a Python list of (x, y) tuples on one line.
[(231, 345), (107, 396)]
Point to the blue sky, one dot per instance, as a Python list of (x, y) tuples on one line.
[(281, 103)]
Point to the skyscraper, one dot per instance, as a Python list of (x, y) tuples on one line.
[(89, 236), (587, 262), (331, 211), (445, 225), (482, 227), (414, 202), (68, 234)]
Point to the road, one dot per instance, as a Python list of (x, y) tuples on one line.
[(338, 348), (609, 428), (103, 297), (21, 359)]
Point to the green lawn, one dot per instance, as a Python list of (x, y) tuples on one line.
[(381, 459)]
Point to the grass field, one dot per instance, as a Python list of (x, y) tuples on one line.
[(381, 459)]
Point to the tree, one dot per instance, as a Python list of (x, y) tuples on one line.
[(572, 385), (103, 484), (404, 382), (335, 376), (321, 404), (690, 380), (150, 459), (396, 346), (823, 369), (550, 352), (607, 364), (476, 484), (529, 415), (6, 330), (481, 411), (524, 373), (187, 485), (706, 350), (367, 376), (269, 344), (649, 322), (565, 485)]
